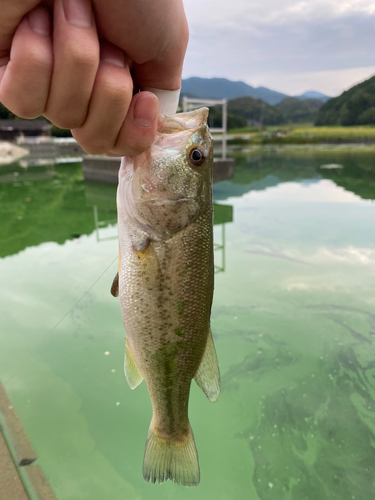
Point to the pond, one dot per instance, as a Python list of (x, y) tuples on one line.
[(293, 321)]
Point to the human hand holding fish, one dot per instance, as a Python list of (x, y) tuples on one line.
[(80, 74), (77, 63)]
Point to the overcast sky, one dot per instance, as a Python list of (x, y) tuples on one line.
[(287, 45)]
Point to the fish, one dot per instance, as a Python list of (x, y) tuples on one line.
[(165, 283)]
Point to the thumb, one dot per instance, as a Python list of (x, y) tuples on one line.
[(163, 78), (165, 70)]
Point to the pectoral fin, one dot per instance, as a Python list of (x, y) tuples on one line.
[(114, 287), (147, 263), (115, 283), (132, 373), (208, 374)]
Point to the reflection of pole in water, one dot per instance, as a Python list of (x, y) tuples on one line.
[(103, 223), (218, 246), (96, 222), (222, 215)]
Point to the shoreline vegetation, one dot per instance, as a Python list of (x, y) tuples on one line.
[(302, 134)]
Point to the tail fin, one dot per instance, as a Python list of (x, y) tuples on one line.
[(175, 460)]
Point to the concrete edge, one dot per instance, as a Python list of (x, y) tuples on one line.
[(23, 449), (18, 457)]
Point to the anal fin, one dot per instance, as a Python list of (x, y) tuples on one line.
[(208, 373), (132, 373)]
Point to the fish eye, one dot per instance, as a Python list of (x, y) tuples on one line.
[(197, 157)]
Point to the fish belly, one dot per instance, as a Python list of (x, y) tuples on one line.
[(166, 294)]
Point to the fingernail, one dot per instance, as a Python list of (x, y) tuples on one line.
[(78, 12), (40, 21), (146, 109), (112, 54)]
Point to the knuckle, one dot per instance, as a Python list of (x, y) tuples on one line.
[(26, 111), (95, 148), (66, 122), (136, 149), (34, 58), (118, 90), (130, 149), (24, 107), (134, 141), (118, 96), (82, 57), (65, 112), (92, 145), (37, 60)]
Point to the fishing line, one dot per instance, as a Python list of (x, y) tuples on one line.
[(41, 342)]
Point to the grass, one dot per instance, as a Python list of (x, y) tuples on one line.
[(304, 134), (358, 132)]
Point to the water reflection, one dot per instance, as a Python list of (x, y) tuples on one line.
[(60, 201), (293, 321), (256, 171)]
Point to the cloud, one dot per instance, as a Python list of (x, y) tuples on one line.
[(260, 41), (331, 82), (322, 191), (242, 14)]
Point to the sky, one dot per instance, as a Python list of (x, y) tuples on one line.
[(291, 46)]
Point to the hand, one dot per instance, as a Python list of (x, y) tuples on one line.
[(80, 74)]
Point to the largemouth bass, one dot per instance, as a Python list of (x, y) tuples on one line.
[(165, 284)]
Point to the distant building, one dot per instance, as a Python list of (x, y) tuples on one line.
[(11, 130)]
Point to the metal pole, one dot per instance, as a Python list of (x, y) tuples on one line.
[(96, 219), (224, 147), (184, 104), (223, 242)]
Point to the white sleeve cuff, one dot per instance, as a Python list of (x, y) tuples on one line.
[(168, 99)]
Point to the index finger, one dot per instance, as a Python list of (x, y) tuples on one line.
[(11, 14)]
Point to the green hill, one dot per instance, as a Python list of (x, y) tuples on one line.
[(256, 111), (297, 111), (355, 106)]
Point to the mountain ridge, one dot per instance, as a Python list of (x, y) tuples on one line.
[(222, 88)]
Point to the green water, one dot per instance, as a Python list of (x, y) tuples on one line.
[(293, 321)]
